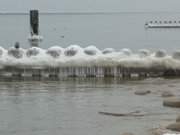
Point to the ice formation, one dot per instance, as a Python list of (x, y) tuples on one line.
[(126, 51), (91, 50), (108, 50), (176, 55), (160, 53), (2, 51), (33, 51), (54, 51), (35, 38), (75, 56), (72, 50), (17, 53), (144, 52)]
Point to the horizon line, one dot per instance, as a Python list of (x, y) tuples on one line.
[(85, 12)]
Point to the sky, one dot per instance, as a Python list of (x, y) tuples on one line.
[(90, 5)]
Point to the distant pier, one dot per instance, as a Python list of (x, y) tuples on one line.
[(162, 24)]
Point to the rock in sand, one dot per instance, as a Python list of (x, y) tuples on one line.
[(172, 102), (174, 127), (142, 92), (178, 119)]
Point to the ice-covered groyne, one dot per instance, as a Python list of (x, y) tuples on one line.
[(75, 61)]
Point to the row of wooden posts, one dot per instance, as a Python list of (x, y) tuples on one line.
[(60, 72)]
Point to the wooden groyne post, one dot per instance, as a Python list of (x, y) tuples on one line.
[(34, 38), (34, 22)]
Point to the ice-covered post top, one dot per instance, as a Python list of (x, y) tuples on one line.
[(34, 38)]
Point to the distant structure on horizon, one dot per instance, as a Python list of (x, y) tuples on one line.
[(162, 24)]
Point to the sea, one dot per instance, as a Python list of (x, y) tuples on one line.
[(71, 106), (104, 30)]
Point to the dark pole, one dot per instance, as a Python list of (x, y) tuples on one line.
[(34, 22)]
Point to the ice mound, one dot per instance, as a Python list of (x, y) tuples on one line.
[(33, 51), (2, 51), (91, 50), (72, 50), (54, 51), (160, 53), (108, 50), (126, 51), (176, 54), (36, 58), (15, 52), (144, 52)]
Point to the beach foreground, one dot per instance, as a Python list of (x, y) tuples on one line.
[(76, 106)]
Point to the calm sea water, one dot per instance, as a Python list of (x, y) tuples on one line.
[(116, 30), (71, 106)]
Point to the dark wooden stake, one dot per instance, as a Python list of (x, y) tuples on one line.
[(34, 22)]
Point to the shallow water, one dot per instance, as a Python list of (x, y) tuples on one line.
[(71, 106)]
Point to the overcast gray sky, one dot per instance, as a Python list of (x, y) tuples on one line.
[(90, 5)]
